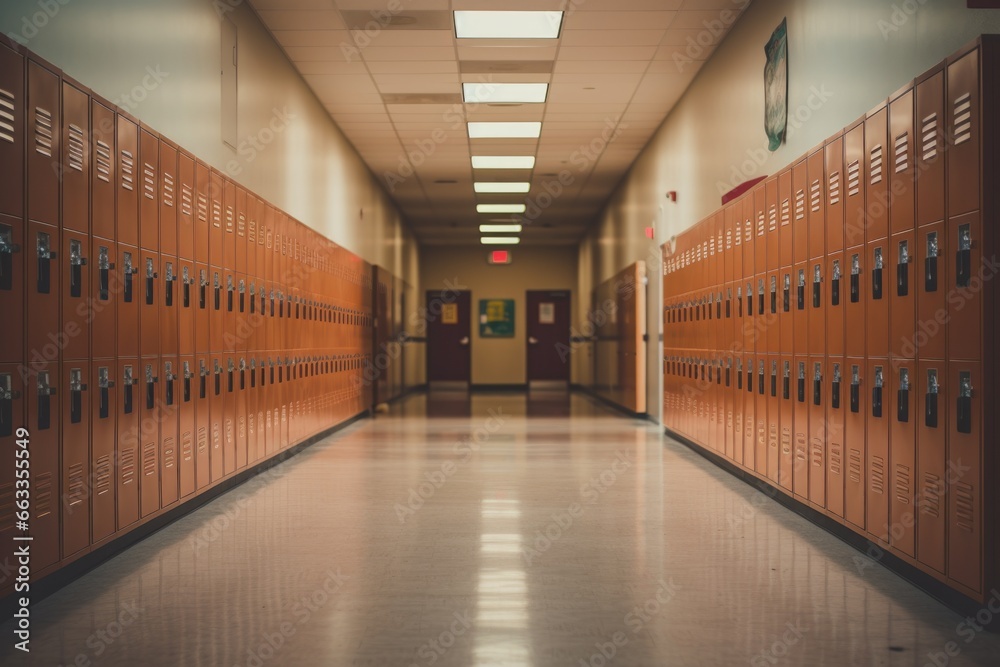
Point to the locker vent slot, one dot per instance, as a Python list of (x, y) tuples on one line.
[(252, 233), (878, 475), (964, 504), (148, 181), (43, 131), (772, 220), (7, 115), (102, 474), (816, 196), (903, 484), (168, 189), (128, 170), (930, 504), (149, 459), (169, 456), (817, 453), (786, 212), (103, 161), (876, 165), (202, 440), (187, 199), (854, 466), (43, 495), (216, 214), (202, 208), (128, 465), (187, 447), (854, 179), (229, 218), (75, 494), (241, 225), (75, 148), (835, 459), (6, 507), (963, 119), (835, 188), (902, 152), (930, 138), (800, 205)]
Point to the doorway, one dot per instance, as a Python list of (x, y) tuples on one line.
[(449, 337), (548, 337)]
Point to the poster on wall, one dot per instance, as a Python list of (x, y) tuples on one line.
[(449, 313), (776, 87), (496, 318), (546, 313)]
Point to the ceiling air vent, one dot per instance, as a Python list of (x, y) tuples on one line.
[(422, 98), (506, 66), (364, 20)]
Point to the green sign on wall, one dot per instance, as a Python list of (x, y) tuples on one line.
[(496, 318)]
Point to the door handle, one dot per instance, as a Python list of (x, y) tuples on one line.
[(855, 279), (186, 286), (218, 378), (877, 393), (774, 295), (801, 293), (818, 386), (217, 291), (253, 373), (104, 267), (243, 374), (903, 396), (786, 304), (230, 376), (127, 384), (750, 300), (151, 275), (786, 383), (169, 377), (931, 400), (760, 296), (230, 289), (903, 270), (203, 290), (760, 379), (931, 264), (965, 403), (835, 388), (243, 295), (169, 279), (45, 256), (151, 380), (774, 379), (76, 389), (187, 382), (817, 286), (855, 389), (963, 257), (253, 298), (835, 285), (7, 250), (877, 275), (7, 397), (202, 380), (531, 339), (45, 393), (801, 385), (76, 263)]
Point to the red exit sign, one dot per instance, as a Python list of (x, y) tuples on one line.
[(499, 257)]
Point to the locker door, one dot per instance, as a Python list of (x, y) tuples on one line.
[(817, 435), (149, 304), (854, 301), (44, 278), (242, 324), (229, 225), (104, 180), (253, 453), (931, 425), (43, 132), (855, 159), (963, 134), (202, 304), (127, 454), (185, 305), (816, 217), (903, 297), (75, 458), (835, 193), (230, 309), (253, 213), (878, 294), (785, 232), (729, 392), (203, 422), (43, 424), (75, 329), (835, 410), (771, 331), (230, 380), (150, 414), (284, 391), (168, 199), (877, 186), (878, 449), (965, 285), (857, 405), (930, 154), (774, 418), (902, 439), (13, 103), (799, 212), (13, 251), (964, 474), (902, 179), (216, 412), (169, 397), (932, 282), (103, 418), (786, 309), (760, 411), (217, 312), (74, 166), (268, 385), (13, 397), (127, 215), (816, 304), (186, 206), (800, 423), (187, 396), (202, 212), (216, 234)]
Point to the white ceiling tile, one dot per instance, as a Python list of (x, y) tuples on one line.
[(414, 67), (615, 20), (600, 67), (612, 37), (390, 38), (506, 52), (607, 53), (261, 5), (626, 6), (387, 53), (313, 37), (330, 67), (382, 5), (318, 53)]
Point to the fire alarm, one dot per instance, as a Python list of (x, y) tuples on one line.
[(672, 196)]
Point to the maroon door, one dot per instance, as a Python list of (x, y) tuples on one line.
[(548, 336), (449, 334)]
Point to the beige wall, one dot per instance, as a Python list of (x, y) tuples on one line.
[(498, 360), (844, 57)]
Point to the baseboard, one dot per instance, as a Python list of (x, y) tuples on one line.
[(499, 388), (947, 596), (60, 578), (608, 402)]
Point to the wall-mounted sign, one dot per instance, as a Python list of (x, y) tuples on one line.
[(449, 313), (546, 313), (496, 318)]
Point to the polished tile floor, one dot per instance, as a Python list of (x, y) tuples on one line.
[(495, 532)]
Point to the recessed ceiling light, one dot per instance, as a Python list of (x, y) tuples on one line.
[(500, 229), (501, 208), (507, 24), (501, 187), (500, 240), (490, 92), (508, 130), (503, 161)]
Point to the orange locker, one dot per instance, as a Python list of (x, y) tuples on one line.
[(903, 304), (903, 176), (817, 432), (12, 100), (800, 212), (217, 415), (800, 428), (749, 415), (964, 475), (801, 301), (103, 182), (242, 219), (103, 417), (963, 131), (931, 284), (242, 326), (13, 251), (44, 414), (816, 304), (729, 397), (105, 286), (202, 305), (75, 458), (185, 305), (855, 159), (44, 279), (902, 457), (169, 408), (854, 308), (43, 136), (771, 334), (149, 305), (149, 204), (203, 423), (13, 396), (202, 211), (877, 202), (229, 313), (930, 153), (786, 454), (786, 310), (932, 466), (773, 418), (185, 206), (785, 229), (127, 206), (216, 233), (856, 480), (760, 412), (878, 293), (217, 313), (878, 450), (127, 454), (187, 428), (269, 396), (835, 434), (75, 324), (255, 448), (229, 417), (73, 169), (966, 286), (168, 198), (150, 421), (836, 181)]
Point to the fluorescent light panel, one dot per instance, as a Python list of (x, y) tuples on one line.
[(500, 229), (503, 161), (507, 24), (501, 187), (500, 240), (501, 208), (505, 93), (505, 130)]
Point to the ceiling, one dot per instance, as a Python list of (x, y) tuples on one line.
[(394, 88)]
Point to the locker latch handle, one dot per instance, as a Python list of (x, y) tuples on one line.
[(739, 302), (217, 291), (787, 295), (7, 250), (855, 389), (774, 294), (218, 378), (45, 394), (818, 385), (202, 380), (243, 374), (877, 274), (774, 379), (786, 382), (718, 307), (128, 273), (230, 290), (931, 400), (253, 373), (271, 298), (739, 375), (750, 300), (964, 403), (127, 385), (931, 264), (151, 276), (835, 284), (170, 278), (186, 287), (253, 298), (151, 380), (104, 267), (855, 279), (76, 263), (45, 257), (104, 383), (729, 372), (260, 293), (903, 396), (281, 304), (7, 397), (242, 289), (879, 384), (76, 389), (729, 304), (835, 387), (903, 270), (801, 291), (230, 376), (187, 381), (817, 286), (801, 384), (168, 378), (963, 257)]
